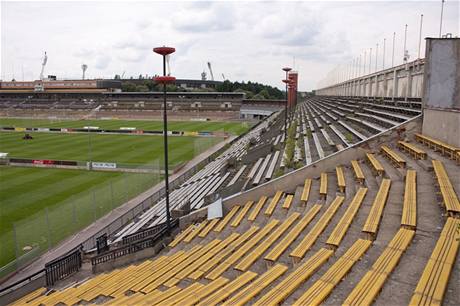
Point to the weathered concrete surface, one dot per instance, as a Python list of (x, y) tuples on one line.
[(443, 125), (442, 73)]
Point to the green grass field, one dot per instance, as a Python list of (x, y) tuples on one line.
[(72, 199), (235, 128), (126, 149), (40, 207)]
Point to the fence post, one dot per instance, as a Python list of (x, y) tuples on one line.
[(74, 214), (16, 248), (125, 187), (94, 206), (111, 196), (48, 227)]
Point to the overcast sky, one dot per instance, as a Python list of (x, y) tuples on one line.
[(244, 40)]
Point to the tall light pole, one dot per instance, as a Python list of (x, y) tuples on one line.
[(440, 21), (376, 56), (286, 81), (420, 36), (383, 57), (393, 53), (165, 51)]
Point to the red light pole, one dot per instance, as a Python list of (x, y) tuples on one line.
[(164, 51), (286, 81)]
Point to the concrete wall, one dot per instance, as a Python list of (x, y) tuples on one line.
[(443, 125), (442, 73), (403, 81)]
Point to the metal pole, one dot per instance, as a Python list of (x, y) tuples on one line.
[(384, 47), (285, 113), (393, 54), (376, 56), (440, 22), (420, 36), (48, 227), (359, 66), (165, 137), (364, 59), (16, 249), (111, 196), (405, 41), (370, 59), (94, 206), (90, 151)]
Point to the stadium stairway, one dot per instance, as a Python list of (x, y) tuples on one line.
[(224, 261)]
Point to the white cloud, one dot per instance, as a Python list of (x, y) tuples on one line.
[(243, 40)]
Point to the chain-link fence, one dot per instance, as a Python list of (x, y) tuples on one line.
[(44, 229)]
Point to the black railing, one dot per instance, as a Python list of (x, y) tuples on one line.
[(63, 267), (152, 231), (132, 247)]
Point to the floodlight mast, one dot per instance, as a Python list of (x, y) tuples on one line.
[(83, 68), (165, 79), (45, 60)]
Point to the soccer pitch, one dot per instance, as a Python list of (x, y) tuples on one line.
[(39, 207), (235, 128)]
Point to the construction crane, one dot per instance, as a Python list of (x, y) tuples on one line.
[(83, 68), (210, 71), (45, 59)]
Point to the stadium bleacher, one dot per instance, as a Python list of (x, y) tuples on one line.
[(334, 239)]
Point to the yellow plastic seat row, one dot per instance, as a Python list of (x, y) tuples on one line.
[(323, 185), (279, 249), (149, 276), (255, 212), (340, 178), (182, 235), (195, 231), (321, 289), (263, 281), (309, 239), (288, 201), (171, 272), (182, 295), (288, 285), (370, 285), (359, 175), (205, 291), (437, 145), (240, 252), (342, 226), (205, 231), (200, 261), (250, 258), (30, 296), (375, 164), (397, 160), (306, 190), (241, 214), (449, 196), (226, 219), (412, 150), (217, 258), (435, 278), (373, 219), (228, 289), (409, 213), (272, 205)]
